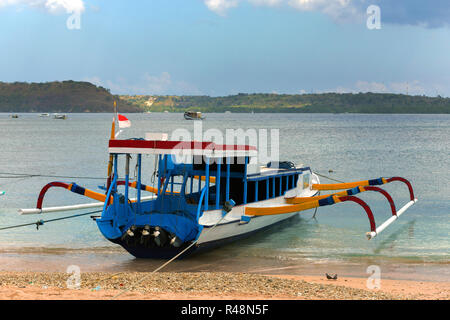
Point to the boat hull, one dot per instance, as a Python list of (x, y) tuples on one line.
[(221, 235), (260, 224), (193, 117), (236, 230), (214, 229)]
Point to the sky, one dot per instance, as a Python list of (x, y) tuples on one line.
[(223, 47)]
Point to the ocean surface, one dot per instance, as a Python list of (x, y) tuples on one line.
[(353, 146)]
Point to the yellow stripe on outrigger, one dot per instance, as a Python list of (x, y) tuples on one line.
[(87, 193), (101, 197), (300, 200), (306, 203), (148, 188), (268, 211), (349, 185)]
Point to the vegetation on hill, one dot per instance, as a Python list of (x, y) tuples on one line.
[(307, 103), (66, 96), (72, 96)]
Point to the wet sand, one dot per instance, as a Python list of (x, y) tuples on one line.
[(209, 286)]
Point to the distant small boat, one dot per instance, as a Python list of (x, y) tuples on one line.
[(60, 116), (190, 115), (227, 111), (14, 116), (42, 115)]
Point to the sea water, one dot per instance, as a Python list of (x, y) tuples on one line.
[(345, 147)]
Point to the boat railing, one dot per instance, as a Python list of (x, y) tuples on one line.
[(108, 195), (200, 203), (297, 204)]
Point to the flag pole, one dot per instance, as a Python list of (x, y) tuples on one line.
[(111, 158)]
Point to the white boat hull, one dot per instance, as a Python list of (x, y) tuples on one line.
[(235, 229), (218, 228)]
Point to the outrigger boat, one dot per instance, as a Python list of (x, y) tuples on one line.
[(190, 115), (213, 195), (59, 116)]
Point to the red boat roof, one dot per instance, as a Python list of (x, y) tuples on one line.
[(180, 147)]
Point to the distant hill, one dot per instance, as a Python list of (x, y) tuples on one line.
[(66, 96), (73, 96), (306, 103)]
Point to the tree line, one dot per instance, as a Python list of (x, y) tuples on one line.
[(306, 103), (65, 96)]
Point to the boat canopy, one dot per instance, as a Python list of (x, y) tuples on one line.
[(196, 148)]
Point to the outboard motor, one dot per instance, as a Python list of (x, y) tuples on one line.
[(129, 235), (160, 237), (175, 241), (145, 236), (281, 165)]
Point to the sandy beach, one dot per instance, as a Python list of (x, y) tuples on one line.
[(210, 286)]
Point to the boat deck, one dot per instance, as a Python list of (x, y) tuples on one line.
[(275, 172)]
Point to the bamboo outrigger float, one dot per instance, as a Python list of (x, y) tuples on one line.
[(213, 195)]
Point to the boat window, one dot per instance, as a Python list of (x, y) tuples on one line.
[(270, 188), (237, 165), (237, 190)]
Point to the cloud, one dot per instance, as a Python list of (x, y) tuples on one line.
[(320, 5), (269, 3), (52, 6), (414, 87), (220, 6), (429, 14), (157, 83), (69, 6), (338, 10), (162, 84), (365, 86), (330, 7), (4, 3), (94, 80)]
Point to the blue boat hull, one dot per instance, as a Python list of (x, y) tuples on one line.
[(142, 252)]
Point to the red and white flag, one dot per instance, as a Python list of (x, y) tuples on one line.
[(123, 122)]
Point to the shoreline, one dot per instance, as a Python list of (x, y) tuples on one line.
[(210, 286), (113, 262)]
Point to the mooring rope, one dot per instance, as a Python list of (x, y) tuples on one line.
[(42, 222), (168, 262), (315, 211), (11, 175), (327, 177)]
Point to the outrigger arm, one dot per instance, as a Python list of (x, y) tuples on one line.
[(298, 204), (73, 187)]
